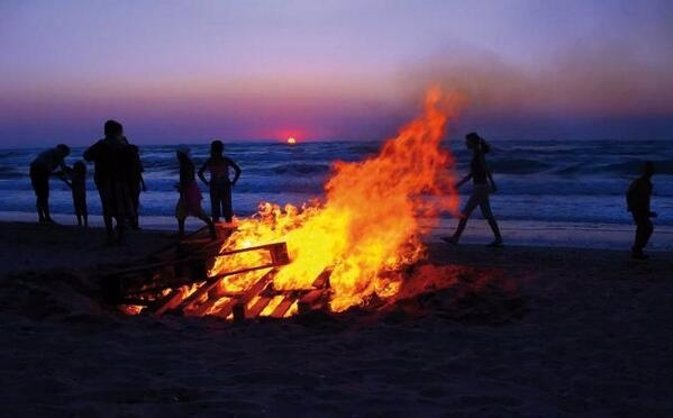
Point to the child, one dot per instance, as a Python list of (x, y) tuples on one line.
[(78, 185), (136, 184), (189, 203), (220, 185)]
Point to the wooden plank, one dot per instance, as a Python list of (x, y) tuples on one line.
[(284, 306), (171, 301), (319, 297), (198, 294), (250, 293), (259, 306)]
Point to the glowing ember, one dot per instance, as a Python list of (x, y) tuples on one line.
[(367, 225)]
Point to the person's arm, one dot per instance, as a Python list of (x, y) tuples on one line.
[(488, 174), (93, 152), (464, 180), (237, 171), (61, 164), (648, 200), (201, 171)]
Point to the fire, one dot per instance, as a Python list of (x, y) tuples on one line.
[(368, 223)]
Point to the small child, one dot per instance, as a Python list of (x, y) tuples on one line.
[(136, 184), (219, 183), (78, 185), (189, 203)]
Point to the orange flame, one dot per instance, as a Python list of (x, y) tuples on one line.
[(368, 223)]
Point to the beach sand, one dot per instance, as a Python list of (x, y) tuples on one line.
[(555, 332)]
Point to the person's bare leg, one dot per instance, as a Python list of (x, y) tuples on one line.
[(181, 228), (211, 225)]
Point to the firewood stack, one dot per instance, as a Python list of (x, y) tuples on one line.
[(175, 280)]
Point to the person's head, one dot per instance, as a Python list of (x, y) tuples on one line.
[(216, 148), (79, 168), (648, 169), (476, 143), (183, 153), (63, 149), (113, 129)]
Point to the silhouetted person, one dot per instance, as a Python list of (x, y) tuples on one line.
[(481, 176), (638, 203), (112, 156), (220, 186), (136, 184), (77, 185), (189, 203), (41, 169)]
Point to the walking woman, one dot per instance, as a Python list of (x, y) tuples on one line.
[(481, 176)]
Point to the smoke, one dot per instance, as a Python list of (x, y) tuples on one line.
[(584, 84)]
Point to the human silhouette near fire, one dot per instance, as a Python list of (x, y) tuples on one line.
[(189, 203), (481, 176), (219, 184)]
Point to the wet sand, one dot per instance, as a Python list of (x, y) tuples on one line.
[(561, 332)]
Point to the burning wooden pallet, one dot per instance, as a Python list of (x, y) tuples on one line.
[(175, 279)]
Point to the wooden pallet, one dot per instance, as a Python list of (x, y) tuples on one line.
[(175, 280)]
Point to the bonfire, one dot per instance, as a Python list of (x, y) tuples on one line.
[(342, 249)]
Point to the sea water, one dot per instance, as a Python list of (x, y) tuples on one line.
[(548, 181)]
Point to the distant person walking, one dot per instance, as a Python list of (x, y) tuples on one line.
[(77, 185), (112, 157), (481, 176), (41, 168), (189, 203), (220, 186), (638, 203)]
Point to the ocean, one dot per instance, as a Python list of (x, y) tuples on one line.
[(548, 181)]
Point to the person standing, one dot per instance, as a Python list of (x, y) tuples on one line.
[(77, 185), (189, 203), (111, 156), (481, 176), (41, 168), (220, 186), (136, 184), (638, 203)]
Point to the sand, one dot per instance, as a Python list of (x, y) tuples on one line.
[(557, 332)]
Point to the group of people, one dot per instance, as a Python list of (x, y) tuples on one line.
[(218, 167), (118, 177)]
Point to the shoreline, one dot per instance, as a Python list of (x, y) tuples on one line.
[(516, 233)]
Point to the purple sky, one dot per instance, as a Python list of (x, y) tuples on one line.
[(182, 71)]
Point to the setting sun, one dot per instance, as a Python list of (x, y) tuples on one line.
[(291, 141)]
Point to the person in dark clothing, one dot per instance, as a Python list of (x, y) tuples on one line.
[(41, 168), (189, 203), (220, 186), (77, 184), (136, 184), (112, 157), (638, 203), (481, 176)]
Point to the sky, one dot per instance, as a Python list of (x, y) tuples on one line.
[(185, 71)]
